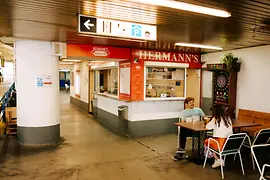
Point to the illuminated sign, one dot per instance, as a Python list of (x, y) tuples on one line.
[(193, 59), (107, 27)]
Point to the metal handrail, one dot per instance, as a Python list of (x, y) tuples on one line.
[(1, 103), (6, 101), (7, 92), (2, 128), (4, 95)]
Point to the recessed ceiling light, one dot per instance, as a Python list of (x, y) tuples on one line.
[(96, 61), (186, 7), (71, 60), (199, 46), (1, 53), (67, 63), (64, 70)]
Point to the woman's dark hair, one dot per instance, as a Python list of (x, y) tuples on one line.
[(219, 113)]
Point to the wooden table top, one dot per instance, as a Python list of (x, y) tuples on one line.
[(199, 126)]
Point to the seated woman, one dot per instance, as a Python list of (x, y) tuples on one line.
[(221, 124)]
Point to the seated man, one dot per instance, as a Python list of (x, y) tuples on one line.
[(189, 112)]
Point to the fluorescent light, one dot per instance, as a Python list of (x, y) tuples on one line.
[(97, 61), (71, 60), (65, 63), (64, 70), (199, 46), (106, 66), (186, 7)]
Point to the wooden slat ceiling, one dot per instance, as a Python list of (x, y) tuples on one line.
[(57, 21)]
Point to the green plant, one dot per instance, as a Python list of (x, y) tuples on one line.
[(232, 62)]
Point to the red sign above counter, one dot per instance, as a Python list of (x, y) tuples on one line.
[(194, 60), (85, 50)]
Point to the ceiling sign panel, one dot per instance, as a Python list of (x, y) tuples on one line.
[(107, 27)]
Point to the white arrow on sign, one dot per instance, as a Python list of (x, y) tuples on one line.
[(88, 24)]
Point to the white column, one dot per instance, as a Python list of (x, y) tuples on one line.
[(38, 108)]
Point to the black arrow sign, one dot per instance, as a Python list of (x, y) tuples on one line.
[(87, 24)]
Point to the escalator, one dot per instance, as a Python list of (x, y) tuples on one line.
[(8, 115)]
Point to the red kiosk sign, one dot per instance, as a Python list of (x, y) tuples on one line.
[(194, 60)]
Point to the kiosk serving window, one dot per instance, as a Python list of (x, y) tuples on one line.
[(106, 81), (165, 82)]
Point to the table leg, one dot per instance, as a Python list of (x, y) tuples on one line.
[(199, 144), (202, 138), (197, 149), (193, 145)]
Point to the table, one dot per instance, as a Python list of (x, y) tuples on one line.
[(200, 128)]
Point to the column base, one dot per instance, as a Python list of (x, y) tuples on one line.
[(48, 135)]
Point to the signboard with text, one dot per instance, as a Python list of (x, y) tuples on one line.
[(107, 27), (44, 81), (194, 60), (86, 50)]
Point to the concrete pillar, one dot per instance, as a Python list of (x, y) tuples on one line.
[(38, 107)]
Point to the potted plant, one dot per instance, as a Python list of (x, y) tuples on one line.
[(232, 62)]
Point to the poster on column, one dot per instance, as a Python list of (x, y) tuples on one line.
[(44, 81), (125, 80)]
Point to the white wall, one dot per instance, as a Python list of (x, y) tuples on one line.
[(68, 76), (37, 106), (152, 110), (109, 104), (72, 87), (66, 66), (142, 110), (84, 81), (253, 84)]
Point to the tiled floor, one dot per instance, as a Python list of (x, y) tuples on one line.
[(91, 152)]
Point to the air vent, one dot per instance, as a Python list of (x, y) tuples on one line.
[(262, 28), (60, 50), (57, 49)]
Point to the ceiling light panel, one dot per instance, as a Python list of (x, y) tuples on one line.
[(186, 7)]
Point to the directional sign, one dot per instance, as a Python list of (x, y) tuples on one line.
[(44, 81), (107, 27), (87, 24)]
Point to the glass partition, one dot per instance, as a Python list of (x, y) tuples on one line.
[(106, 81), (163, 82)]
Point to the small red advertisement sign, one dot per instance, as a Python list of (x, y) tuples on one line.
[(194, 60), (85, 50)]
